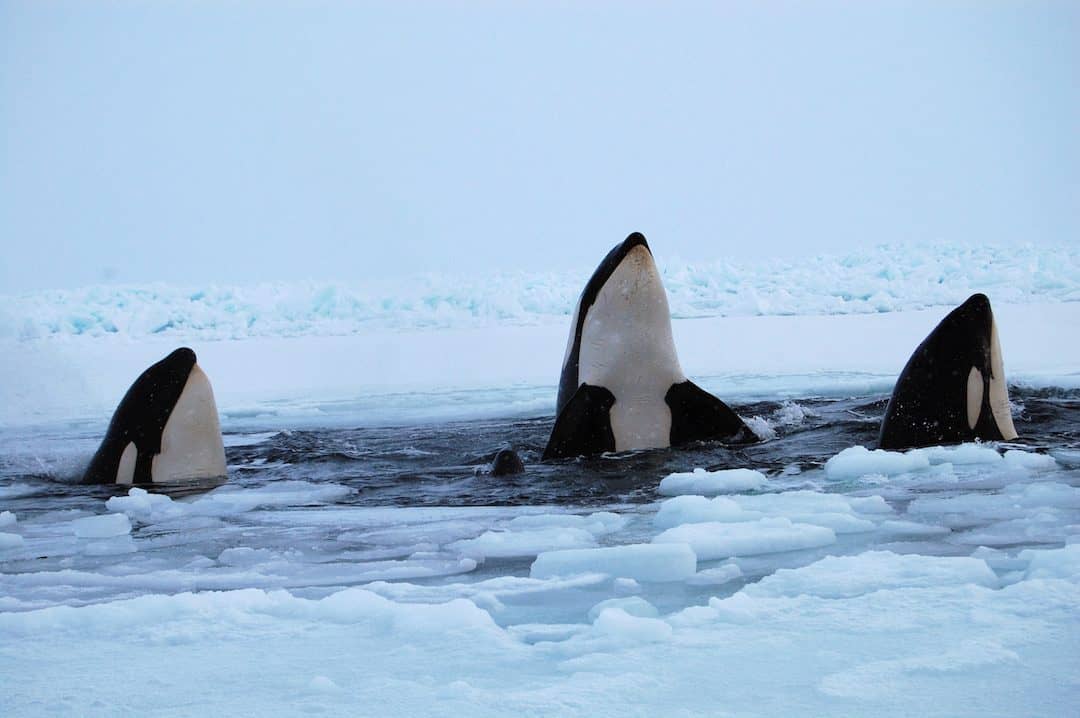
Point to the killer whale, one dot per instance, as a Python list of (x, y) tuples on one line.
[(621, 385), (953, 387), (165, 431)]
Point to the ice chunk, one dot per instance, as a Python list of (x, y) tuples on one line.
[(840, 523), (709, 483), (848, 576), (1053, 563), (870, 505), (963, 454), (141, 505), (642, 562), (244, 556), (105, 526), (912, 529), (114, 546), (508, 544), (626, 586), (879, 679), (7, 519), (856, 461), (633, 605), (545, 521), (814, 507), (698, 509), (1029, 460), (322, 684), (716, 576), (231, 500), (1014, 502), (719, 540), (8, 540), (617, 623), (598, 524)]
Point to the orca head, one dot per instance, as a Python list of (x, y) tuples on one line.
[(960, 367), (165, 430), (621, 340), (191, 445)]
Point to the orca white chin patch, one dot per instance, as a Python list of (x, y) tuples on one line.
[(999, 392), (627, 347), (191, 444)]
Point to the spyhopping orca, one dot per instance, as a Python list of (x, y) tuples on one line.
[(953, 388), (622, 387), (165, 430)]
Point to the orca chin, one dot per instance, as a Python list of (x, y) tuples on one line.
[(953, 387), (165, 432), (622, 387)]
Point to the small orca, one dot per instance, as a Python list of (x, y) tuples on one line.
[(953, 387), (165, 430), (506, 463), (622, 387)]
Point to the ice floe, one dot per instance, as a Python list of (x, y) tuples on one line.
[(708, 483)]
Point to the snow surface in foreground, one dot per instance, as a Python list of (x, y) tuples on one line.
[(936, 582)]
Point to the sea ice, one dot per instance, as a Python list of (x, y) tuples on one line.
[(847, 576), (9, 540), (598, 524), (709, 483), (716, 576), (1053, 563), (1029, 460), (634, 605), (962, 455), (618, 623), (698, 509), (642, 562), (508, 544), (723, 540), (856, 461), (105, 526)]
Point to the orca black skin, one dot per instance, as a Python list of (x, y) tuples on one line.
[(630, 392), (953, 387), (141, 420)]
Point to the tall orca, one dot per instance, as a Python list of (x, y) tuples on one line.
[(953, 388), (165, 430), (621, 386)]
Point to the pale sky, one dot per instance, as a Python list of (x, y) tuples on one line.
[(233, 142)]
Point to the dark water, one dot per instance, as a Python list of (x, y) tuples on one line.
[(446, 464)]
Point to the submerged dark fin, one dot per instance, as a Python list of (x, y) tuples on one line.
[(696, 415), (583, 427)]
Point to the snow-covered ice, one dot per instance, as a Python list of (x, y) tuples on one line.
[(723, 540), (642, 562), (708, 483)]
